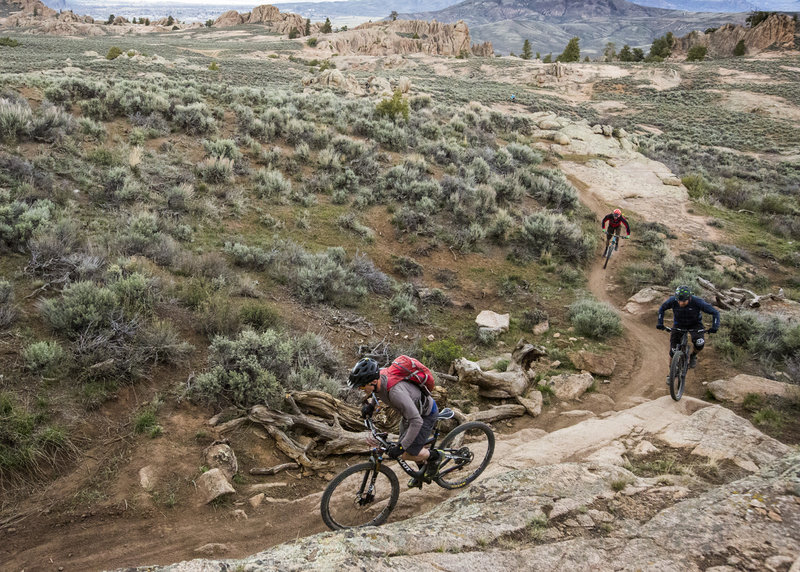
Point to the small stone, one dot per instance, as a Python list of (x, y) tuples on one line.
[(256, 500), (431, 337), (772, 515), (557, 335), (239, 514), (555, 365)]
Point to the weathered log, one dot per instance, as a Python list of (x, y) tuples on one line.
[(294, 451), (498, 412), (499, 384), (336, 439), (232, 424), (273, 470), (328, 407)]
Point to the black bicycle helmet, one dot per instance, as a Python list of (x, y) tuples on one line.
[(363, 372), (683, 293)]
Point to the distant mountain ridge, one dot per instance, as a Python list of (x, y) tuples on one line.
[(549, 24), (724, 5)]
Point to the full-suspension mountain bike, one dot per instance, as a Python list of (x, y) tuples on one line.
[(613, 244), (679, 364), (365, 494)]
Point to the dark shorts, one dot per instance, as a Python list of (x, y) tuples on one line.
[(697, 340), (424, 432)]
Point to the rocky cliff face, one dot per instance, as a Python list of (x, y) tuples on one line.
[(405, 37), (778, 32), (268, 16), (597, 495)]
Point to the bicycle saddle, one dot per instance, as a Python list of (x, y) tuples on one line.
[(446, 413)]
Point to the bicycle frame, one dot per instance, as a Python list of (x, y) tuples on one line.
[(376, 455)]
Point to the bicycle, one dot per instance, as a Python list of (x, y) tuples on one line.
[(365, 494), (612, 246), (679, 365)]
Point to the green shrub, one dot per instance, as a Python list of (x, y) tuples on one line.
[(194, 119), (8, 42), (29, 439), (406, 266), (8, 310), (43, 358), (393, 107), (82, 306), (259, 317), (696, 54), (440, 354), (213, 66), (311, 42), (215, 170), (594, 319), (554, 233), (19, 220), (16, 120), (113, 53), (258, 368), (402, 308), (271, 184)]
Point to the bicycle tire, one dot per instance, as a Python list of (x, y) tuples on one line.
[(340, 507), (609, 250), (463, 446), (677, 375)]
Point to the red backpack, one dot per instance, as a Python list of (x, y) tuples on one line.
[(406, 368)]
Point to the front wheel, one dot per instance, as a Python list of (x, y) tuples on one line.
[(360, 496), (468, 449), (677, 375), (609, 250)]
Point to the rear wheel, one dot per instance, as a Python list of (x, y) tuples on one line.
[(468, 449), (677, 375), (360, 496)]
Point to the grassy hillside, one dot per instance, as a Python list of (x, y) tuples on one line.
[(188, 218)]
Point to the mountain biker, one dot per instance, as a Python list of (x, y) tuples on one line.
[(686, 315), (417, 407), (615, 221)]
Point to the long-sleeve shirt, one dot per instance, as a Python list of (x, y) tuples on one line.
[(614, 223), (412, 404), (689, 317)]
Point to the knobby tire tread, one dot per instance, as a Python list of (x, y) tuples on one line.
[(361, 467), (450, 437), (677, 376)]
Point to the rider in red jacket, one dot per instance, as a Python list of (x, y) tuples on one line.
[(615, 221)]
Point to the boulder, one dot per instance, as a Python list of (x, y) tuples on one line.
[(219, 455), (492, 320), (570, 386), (718, 433), (561, 138), (524, 354), (593, 363), (737, 388), (645, 296), (532, 402), (148, 477), (541, 328), (212, 485)]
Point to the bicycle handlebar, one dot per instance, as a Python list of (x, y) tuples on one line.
[(667, 328), (379, 437)]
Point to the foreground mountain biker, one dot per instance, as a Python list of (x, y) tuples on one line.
[(615, 221), (415, 405), (687, 315)]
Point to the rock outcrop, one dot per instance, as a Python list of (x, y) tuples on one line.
[(572, 502), (404, 37), (268, 16), (776, 32)]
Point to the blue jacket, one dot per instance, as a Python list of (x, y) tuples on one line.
[(690, 317)]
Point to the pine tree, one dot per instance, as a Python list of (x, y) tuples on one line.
[(625, 54), (526, 50), (326, 27), (638, 54), (572, 53), (740, 48), (308, 27), (696, 54)]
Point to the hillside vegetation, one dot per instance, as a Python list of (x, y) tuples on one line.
[(187, 230)]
